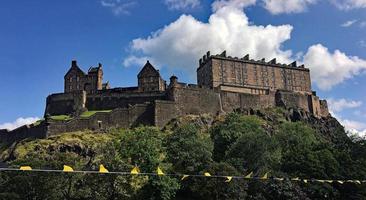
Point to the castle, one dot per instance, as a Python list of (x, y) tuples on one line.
[(224, 84)]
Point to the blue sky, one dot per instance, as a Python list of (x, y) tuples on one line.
[(40, 38)]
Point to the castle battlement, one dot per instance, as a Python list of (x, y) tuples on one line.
[(224, 84)]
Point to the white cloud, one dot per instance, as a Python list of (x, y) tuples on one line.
[(338, 105), (182, 4), (329, 69), (180, 44), (18, 122), (354, 127), (348, 23), (134, 60), (238, 4), (118, 7), (287, 6), (349, 4)]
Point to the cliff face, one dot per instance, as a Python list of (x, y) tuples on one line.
[(285, 143)]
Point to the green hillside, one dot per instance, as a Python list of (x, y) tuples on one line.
[(284, 143)]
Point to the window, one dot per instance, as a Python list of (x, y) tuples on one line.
[(77, 79), (70, 79)]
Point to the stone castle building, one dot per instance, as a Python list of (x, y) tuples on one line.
[(224, 84)]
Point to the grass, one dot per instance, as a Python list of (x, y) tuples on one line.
[(92, 112), (38, 122), (61, 117)]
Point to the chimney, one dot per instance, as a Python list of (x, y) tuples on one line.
[(294, 64), (208, 54), (246, 57), (173, 80), (273, 61), (201, 62), (74, 63), (223, 54)]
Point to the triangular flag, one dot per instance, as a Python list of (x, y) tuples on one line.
[(67, 169), (102, 169), (321, 181), (305, 181), (228, 179), (295, 179), (357, 181), (159, 171), (184, 177), (135, 170), (207, 174), (329, 181), (279, 179), (265, 176), (25, 168), (340, 182), (249, 175)]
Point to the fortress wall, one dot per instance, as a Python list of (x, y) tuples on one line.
[(314, 105), (232, 101), (324, 112), (164, 112), (65, 103), (292, 99), (193, 100), (118, 118), (239, 72), (109, 101), (26, 131)]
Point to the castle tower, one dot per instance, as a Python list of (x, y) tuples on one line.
[(74, 78), (94, 79), (149, 79)]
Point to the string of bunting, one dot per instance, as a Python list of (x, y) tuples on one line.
[(159, 172)]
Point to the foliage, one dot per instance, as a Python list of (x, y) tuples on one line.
[(89, 113), (233, 146), (61, 117)]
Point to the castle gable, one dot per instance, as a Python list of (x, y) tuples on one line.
[(74, 70), (148, 71)]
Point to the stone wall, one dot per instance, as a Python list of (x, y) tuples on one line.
[(194, 100), (221, 70), (324, 111), (23, 132), (292, 100), (118, 118), (109, 100), (164, 112), (65, 103)]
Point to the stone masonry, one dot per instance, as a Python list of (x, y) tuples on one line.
[(224, 84)]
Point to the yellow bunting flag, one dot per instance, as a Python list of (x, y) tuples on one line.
[(135, 170), (249, 175), (295, 179), (279, 179), (184, 177), (67, 169), (329, 181), (25, 168), (265, 176), (102, 169), (340, 182), (321, 181), (228, 179), (207, 174), (358, 182), (305, 181), (159, 172)]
